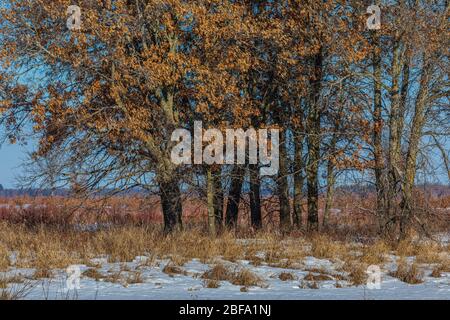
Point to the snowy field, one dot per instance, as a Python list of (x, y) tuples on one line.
[(140, 280)]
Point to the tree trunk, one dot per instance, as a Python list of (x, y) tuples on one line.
[(218, 200), (298, 182), (403, 98), (331, 175), (171, 202), (413, 148), (283, 189), (331, 179), (255, 197), (314, 142), (394, 156), (210, 194), (378, 135), (234, 196)]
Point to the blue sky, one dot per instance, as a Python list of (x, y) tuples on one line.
[(10, 158)]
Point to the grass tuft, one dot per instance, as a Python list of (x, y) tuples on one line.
[(409, 273), (287, 276), (211, 284)]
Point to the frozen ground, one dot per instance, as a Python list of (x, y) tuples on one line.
[(158, 285)]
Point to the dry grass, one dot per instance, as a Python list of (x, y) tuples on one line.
[(93, 273), (16, 292), (323, 247), (428, 253), (287, 264), (286, 276), (425, 251), (178, 260), (218, 273), (255, 260), (45, 248), (287, 252), (436, 273), (308, 285), (375, 254), (317, 277), (14, 287), (14, 279), (114, 277), (317, 270), (90, 264), (135, 278), (42, 273), (242, 277), (172, 270), (211, 284), (443, 267), (409, 273), (322, 274), (357, 274), (4, 257), (246, 278), (4, 282)]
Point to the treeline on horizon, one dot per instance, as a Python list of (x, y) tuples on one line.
[(436, 190), (103, 101)]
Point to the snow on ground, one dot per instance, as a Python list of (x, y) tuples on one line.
[(158, 285)]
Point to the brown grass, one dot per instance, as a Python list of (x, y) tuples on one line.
[(436, 273), (172, 269), (14, 287), (286, 276), (135, 277), (114, 277), (323, 247), (242, 277), (46, 247), (356, 273), (218, 273), (178, 260), (409, 273), (16, 291), (443, 267), (255, 260), (425, 251), (93, 273), (375, 254), (42, 274), (4, 257), (308, 285), (246, 278), (6, 280), (211, 284), (319, 277)]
